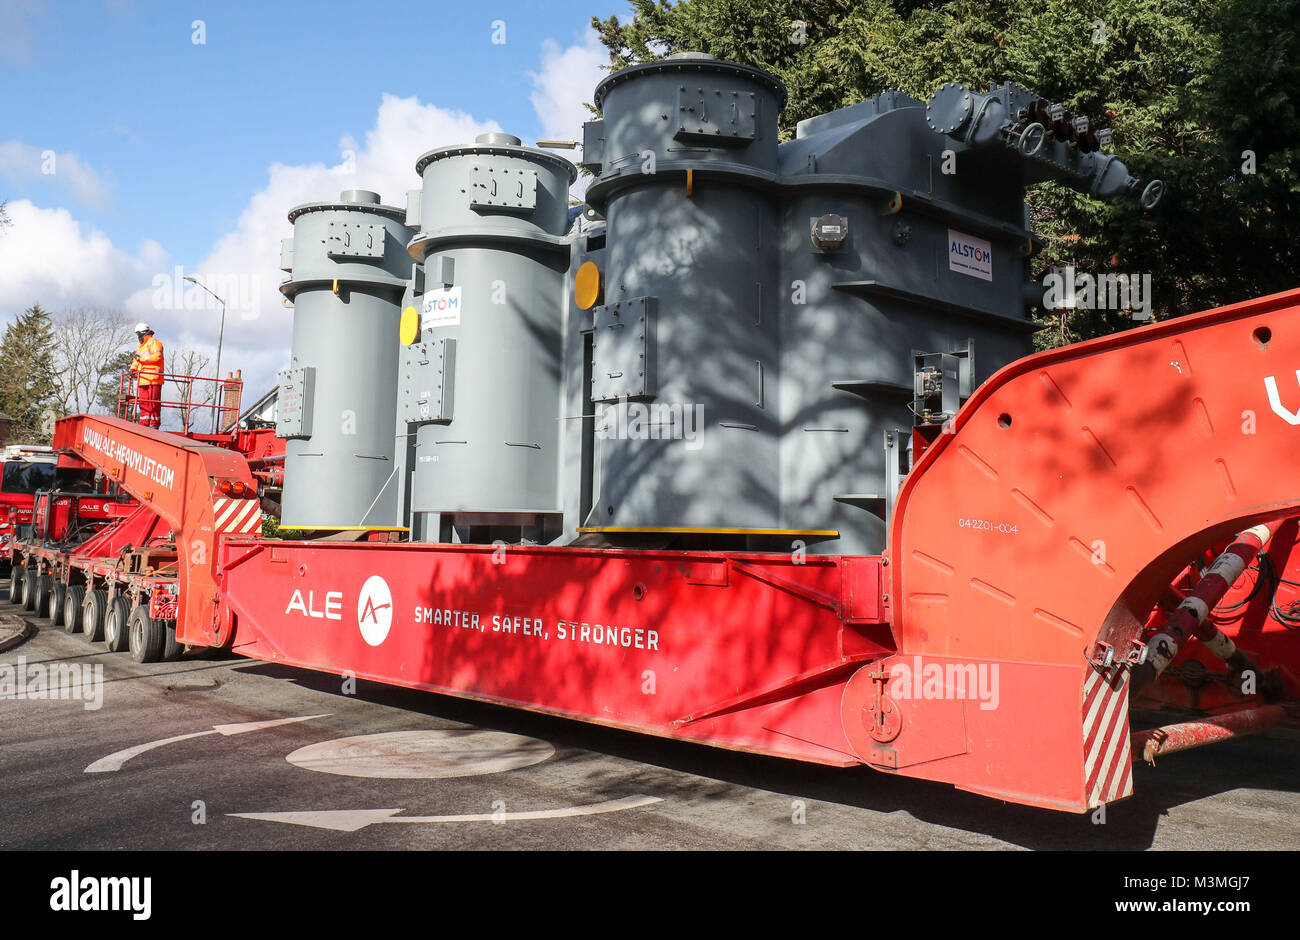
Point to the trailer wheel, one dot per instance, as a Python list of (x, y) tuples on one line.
[(44, 584), (115, 624), (172, 650), (30, 584), (93, 611), (72, 600), (146, 637), (57, 594), (16, 585)]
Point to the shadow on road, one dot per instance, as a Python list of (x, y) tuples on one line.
[(1130, 825)]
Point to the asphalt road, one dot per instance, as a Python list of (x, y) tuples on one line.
[(525, 781)]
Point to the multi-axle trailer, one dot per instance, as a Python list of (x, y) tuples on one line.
[(1055, 541), (991, 646)]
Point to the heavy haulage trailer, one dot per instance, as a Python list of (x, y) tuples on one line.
[(715, 458), (100, 561)]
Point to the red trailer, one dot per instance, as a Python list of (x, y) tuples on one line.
[(104, 563), (1043, 559)]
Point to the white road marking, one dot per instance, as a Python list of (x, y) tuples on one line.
[(115, 760), (423, 755), (350, 820)]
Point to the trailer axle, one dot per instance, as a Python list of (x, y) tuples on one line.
[(1189, 734)]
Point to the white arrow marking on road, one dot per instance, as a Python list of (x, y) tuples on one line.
[(115, 760), (350, 820)]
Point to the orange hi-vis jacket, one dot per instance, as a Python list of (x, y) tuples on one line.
[(148, 362)]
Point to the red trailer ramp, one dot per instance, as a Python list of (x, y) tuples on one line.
[(1037, 537)]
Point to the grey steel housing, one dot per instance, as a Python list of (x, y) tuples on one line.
[(481, 389), (691, 292), (801, 357), (793, 291), (348, 267), (777, 322)]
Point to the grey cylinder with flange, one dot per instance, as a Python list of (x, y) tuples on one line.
[(479, 378), (348, 267), (686, 344)]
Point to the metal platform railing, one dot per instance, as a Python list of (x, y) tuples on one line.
[(196, 395)]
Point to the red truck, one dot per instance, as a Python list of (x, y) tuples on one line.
[(24, 471)]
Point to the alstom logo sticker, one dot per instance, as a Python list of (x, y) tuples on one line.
[(441, 307), (970, 256), (375, 610)]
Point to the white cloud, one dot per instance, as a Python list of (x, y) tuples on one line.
[(22, 162), (562, 90), (244, 265), (152, 253), (564, 86), (50, 258)]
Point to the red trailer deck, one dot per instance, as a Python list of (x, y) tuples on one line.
[(992, 646)]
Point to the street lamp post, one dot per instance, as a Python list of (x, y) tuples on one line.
[(220, 336)]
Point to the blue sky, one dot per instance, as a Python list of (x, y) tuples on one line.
[(167, 149)]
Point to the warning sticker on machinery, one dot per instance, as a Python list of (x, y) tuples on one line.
[(441, 307), (970, 256)]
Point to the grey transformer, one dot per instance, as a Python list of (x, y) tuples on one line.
[(732, 344), (480, 377), (347, 267)]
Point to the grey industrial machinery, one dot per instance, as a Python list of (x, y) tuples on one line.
[(348, 267), (481, 344), (735, 343), (795, 297), (688, 336)]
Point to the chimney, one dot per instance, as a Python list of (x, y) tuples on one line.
[(231, 391)]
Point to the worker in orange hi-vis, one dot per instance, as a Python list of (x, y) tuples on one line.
[(147, 364)]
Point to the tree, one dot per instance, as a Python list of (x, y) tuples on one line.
[(1202, 95), (197, 393), (106, 393), (88, 342), (28, 391)]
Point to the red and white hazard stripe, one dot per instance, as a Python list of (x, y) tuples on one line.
[(237, 516), (1107, 765)]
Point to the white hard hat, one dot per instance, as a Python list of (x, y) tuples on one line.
[(143, 328)]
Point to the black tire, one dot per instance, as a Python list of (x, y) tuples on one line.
[(16, 585), (55, 605), (31, 584), (72, 599), (115, 621), (172, 650), (146, 637), (44, 584), (93, 610)]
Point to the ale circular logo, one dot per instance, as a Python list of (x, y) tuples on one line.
[(375, 610)]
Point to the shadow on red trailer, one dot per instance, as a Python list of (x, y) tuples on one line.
[(999, 658)]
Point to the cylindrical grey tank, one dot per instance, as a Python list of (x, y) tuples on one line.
[(686, 345), (348, 266), (479, 378)]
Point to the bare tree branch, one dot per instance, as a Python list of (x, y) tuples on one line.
[(86, 340), (196, 393)]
